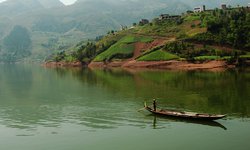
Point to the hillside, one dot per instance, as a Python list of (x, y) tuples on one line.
[(54, 27), (192, 37)]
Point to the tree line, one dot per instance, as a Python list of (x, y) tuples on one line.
[(227, 27)]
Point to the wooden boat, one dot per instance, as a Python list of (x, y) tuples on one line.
[(184, 115), (211, 123)]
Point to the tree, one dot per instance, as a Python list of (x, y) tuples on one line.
[(17, 44)]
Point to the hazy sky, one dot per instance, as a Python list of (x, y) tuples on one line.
[(66, 2)]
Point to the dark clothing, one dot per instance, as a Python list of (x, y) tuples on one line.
[(154, 105)]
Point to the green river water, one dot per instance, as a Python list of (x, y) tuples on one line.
[(81, 109)]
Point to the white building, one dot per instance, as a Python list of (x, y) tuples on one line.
[(199, 9)]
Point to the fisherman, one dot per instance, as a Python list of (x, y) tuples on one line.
[(154, 104)]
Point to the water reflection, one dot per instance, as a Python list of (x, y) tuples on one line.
[(13, 75), (108, 99), (200, 122), (213, 92)]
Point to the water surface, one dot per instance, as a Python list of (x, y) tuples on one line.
[(61, 109)]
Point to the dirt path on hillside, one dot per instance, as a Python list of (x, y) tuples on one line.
[(141, 47)]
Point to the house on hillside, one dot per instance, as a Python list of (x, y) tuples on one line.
[(164, 16), (123, 27), (143, 22), (200, 9), (248, 6), (224, 6), (169, 17), (174, 17)]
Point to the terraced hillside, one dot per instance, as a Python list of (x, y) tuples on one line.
[(191, 37)]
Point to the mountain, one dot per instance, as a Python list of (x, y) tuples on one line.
[(91, 17), (54, 26), (17, 7)]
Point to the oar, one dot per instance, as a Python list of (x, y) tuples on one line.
[(141, 109), (145, 105)]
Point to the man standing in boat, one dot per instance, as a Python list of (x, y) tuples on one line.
[(154, 104)]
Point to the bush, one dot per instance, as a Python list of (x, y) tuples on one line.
[(193, 26)]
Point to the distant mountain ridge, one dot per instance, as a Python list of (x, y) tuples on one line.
[(15, 7)]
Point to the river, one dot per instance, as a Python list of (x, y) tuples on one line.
[(61, 109)]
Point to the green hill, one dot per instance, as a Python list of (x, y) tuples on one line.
[(210, 35)]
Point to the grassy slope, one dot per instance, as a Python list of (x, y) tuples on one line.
[(246, 56), (158, 55), (145, 34), (124, 46)]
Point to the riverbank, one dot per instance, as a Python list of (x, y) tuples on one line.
[(181, 65), (168, 65)]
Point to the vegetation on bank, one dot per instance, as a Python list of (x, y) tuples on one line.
[(210, 35)]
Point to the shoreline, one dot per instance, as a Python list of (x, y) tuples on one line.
[(215, 65), (62, 64)]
